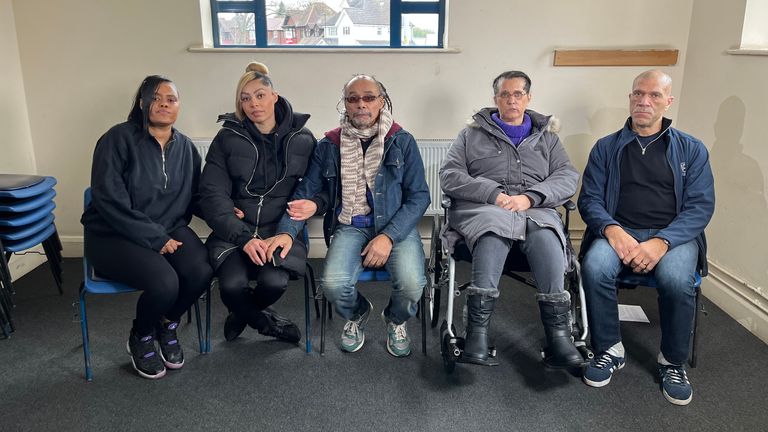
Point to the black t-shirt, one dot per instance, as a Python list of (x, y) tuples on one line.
[(647, 187)]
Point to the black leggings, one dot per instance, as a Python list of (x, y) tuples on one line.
[(170, 282), (235, 273)]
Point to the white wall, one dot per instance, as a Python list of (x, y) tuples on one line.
[(83, 59), (723, 102), (18, 156)]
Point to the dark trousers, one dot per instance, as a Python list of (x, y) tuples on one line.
[(236, 272), (170, 282)]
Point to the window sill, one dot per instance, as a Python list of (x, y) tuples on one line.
[(199, 49), (749, 52)]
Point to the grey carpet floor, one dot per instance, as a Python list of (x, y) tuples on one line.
[(256, 383)]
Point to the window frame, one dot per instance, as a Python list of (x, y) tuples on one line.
[(397, 8)]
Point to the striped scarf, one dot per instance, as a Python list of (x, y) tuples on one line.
[(358, 171)]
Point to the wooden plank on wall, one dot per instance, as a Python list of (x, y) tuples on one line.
[(615, 57)]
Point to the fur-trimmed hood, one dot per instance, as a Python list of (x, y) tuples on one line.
[(547, 123)]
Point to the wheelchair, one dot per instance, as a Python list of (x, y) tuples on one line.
[(441, 278)]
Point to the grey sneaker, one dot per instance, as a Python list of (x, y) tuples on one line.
[(353, 336), (398, 343)]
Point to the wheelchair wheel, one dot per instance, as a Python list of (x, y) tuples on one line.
[(435, 272), (449, 349)]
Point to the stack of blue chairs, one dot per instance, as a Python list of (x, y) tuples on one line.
[(26, 220)]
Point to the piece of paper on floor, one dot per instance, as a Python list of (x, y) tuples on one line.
[(632, 313)]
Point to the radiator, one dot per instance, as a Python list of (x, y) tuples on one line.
[(432, 153)]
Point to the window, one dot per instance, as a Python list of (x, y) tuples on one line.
[(317, 23)]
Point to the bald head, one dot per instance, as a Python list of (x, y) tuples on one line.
[(664, 81)]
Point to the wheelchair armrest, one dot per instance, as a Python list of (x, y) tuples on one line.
[(445, 201)]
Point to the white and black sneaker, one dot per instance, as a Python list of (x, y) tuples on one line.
[(144, 357)]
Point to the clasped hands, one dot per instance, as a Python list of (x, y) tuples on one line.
[(641, 257), (513, 203)]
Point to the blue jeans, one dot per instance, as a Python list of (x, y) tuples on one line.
[(675, 277), (542, 249), (343, 265)]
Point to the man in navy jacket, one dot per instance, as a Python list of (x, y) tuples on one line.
[(646, 197)]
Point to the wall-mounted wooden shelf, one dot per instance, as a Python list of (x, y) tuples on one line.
[(615, 57)]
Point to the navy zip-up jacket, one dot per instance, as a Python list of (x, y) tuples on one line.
[(694, 187), (140, 191)]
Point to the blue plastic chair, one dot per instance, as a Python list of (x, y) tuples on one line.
[(26, 220), (630, 280), (26, 204), (93, 284), (24, 186)]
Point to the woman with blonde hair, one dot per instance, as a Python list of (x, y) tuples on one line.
[(252, 168)]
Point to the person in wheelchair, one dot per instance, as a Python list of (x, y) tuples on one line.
[(506, 173), (252, 167), (370, 175), (647, 195)]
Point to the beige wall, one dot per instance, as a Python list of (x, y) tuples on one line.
[(83, 59), (16, 152), (723, 102)]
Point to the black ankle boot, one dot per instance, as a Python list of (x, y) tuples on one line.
[(560, 351), (479, 310)]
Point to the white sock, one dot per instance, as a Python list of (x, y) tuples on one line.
[(617, 350), (663, 361)]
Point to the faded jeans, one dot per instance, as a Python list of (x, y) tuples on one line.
[(343, 265)]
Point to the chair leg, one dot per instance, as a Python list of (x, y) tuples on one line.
[(323, 309), (54, 263), (208, 319), (422, 305), (311, 273), (84, 329), (200, 341), (307, 318), (694, 342)]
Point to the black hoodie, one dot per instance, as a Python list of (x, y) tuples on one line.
[(140, 191)]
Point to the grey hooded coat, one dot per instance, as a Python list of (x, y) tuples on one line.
[(482, 162)]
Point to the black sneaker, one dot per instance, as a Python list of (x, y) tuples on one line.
[(144, 356), (233, 326), (280, 327), (170, 350)]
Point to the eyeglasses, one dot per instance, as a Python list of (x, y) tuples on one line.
[(366, 98), (516, 95)]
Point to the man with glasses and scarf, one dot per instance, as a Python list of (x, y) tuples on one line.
[(370, 175)]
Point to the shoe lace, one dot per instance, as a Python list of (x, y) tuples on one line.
[(603, 361), (351, 329), (675, 375), (400, 332)]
